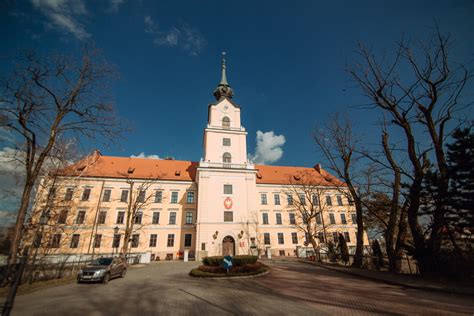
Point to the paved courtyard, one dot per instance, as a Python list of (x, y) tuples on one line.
[(291, 288)]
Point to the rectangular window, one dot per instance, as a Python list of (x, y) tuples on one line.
[(106, 195), (354, 218), (263, 199), (141, 196), (158, 196), (278, 218), (347, 237), (102, 216), (156, 218), (74, 241), (86, 194), (56, 241), (335, 237), (289, 198), (339, 200), (120, 217), (52, 193), (332, 219), (292, 219), (45, 214), (190, 197), (153, 239), (318, 219), (135, 240), (294, 238), (321, 237), (281, 239), (37, 240), (116, 241), (306, 237), (302, 199), (174, 197), (124, 196), (343, 219), (266, 238), (226, 142), (172, 218), (265, 218), (305, 218), (170, 241), (97, 240), (203, 246), (328, 200), (315, 199), (189, 218), (228, 216), (81, 215), (227, 188), (350, 201), (138, 218), (276, 199), (62, 217), (69, 193), (187, 240)]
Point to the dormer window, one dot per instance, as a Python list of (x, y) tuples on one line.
[(227, 158), (225, 122)]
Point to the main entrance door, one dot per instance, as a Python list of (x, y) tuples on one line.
[(228, 246)]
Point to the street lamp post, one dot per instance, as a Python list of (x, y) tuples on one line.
[(116, 230)]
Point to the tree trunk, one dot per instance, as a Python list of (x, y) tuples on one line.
[(18, 233)]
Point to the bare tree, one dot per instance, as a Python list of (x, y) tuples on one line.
[(306, 192), (138, 200), (420, 92), (341, 148), (48, 100)]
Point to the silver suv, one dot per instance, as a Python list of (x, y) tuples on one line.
[(102, 269)]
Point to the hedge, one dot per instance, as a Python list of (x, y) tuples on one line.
[(237, 260)]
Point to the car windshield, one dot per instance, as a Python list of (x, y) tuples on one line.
[(101, 262)]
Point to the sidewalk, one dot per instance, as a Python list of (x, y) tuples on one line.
[(408, 281)]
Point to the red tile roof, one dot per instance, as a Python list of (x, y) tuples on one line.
[(96, 165)]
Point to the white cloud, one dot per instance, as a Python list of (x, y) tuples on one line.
[(268, 148), (12, 175), (142, 155), (114, 5), (64, 15), (183, 36)]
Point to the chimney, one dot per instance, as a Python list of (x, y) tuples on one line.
[(317, 167)]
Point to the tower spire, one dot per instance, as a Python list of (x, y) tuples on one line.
[(223, 89), (224, 77)]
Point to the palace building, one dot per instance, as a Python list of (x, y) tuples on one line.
[(222, 204)]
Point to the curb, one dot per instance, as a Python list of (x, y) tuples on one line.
[(411, 286), (232, 277)]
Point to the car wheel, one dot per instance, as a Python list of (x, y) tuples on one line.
[(106, 278), (124, 271), (78, 280)]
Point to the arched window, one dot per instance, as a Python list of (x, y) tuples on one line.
[(226, 158), (225, 122)]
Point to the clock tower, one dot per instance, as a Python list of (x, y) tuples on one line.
[(226, 180)]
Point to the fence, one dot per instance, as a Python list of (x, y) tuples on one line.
[(53, 267), (408, 264)]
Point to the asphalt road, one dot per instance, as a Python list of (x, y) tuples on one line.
[(291, 288)]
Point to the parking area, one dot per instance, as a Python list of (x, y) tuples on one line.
[(164, 288)]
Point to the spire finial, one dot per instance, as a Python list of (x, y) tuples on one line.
[(224, 77)]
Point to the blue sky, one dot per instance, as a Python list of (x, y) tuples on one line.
[(285, 59)]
